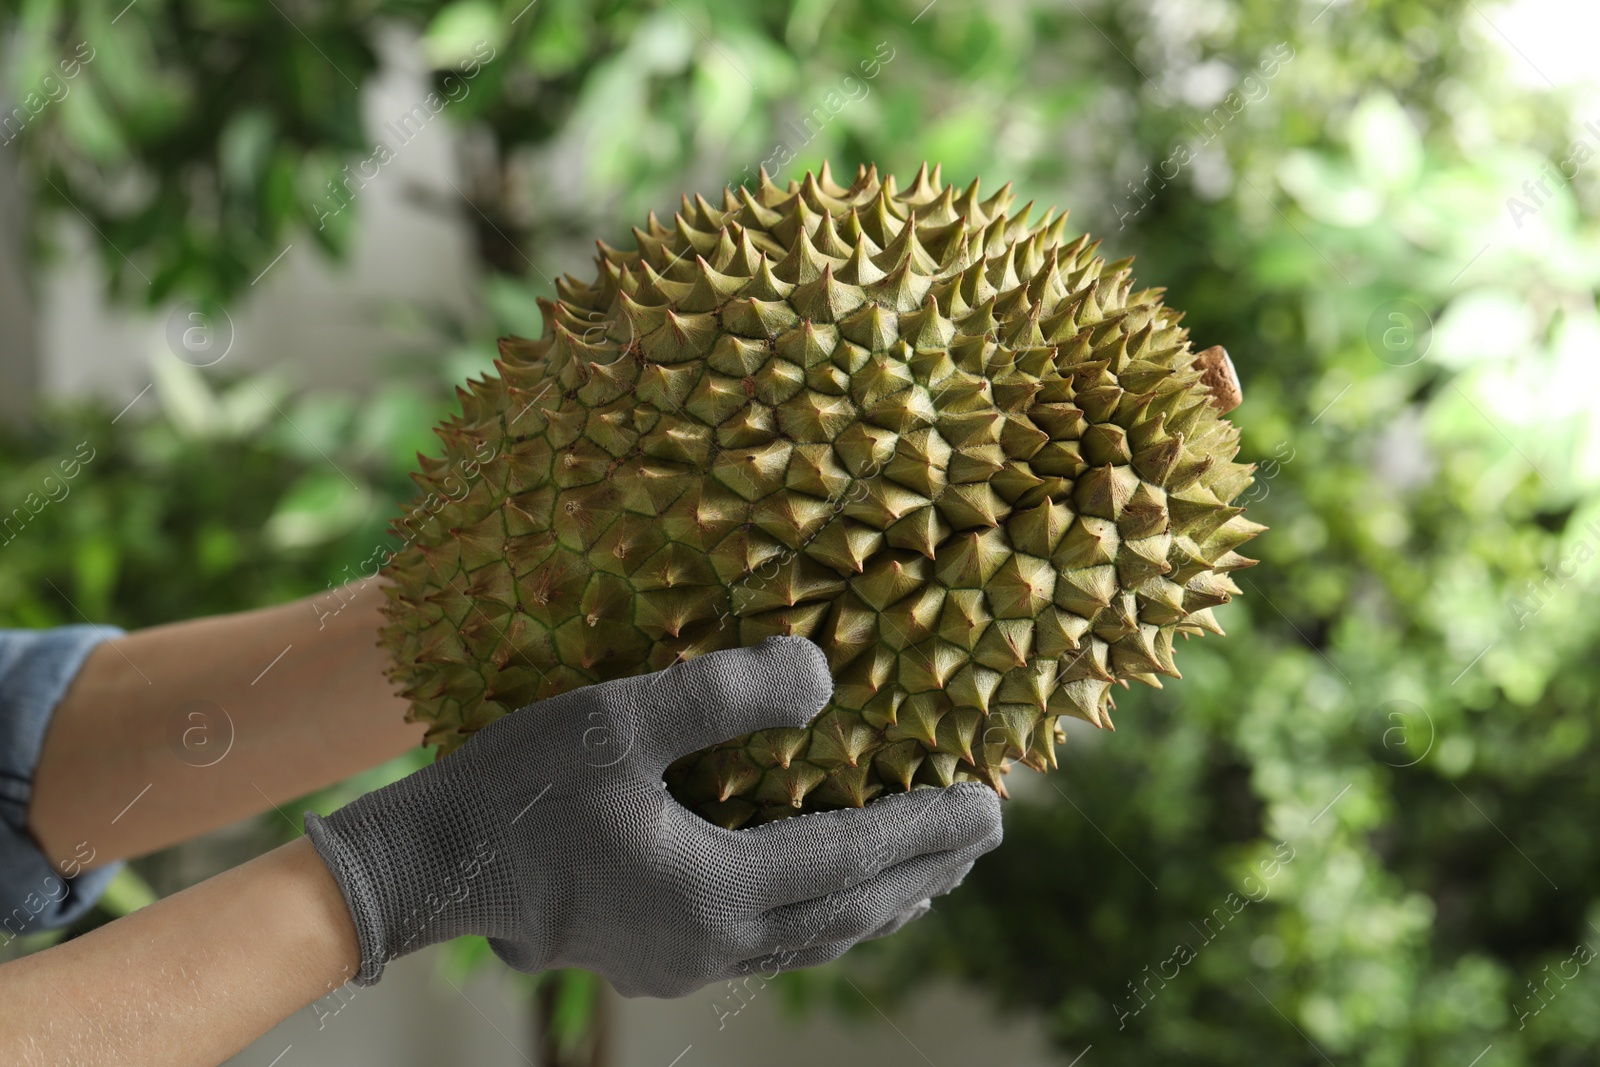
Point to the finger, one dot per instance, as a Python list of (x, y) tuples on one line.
[(775, 963), (855, 913), (954, 880), (781, 958), (651, 719), (811, 856), (783, 681), (910, 915)]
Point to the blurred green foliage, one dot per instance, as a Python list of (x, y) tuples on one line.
[(1406, 702), (218, 501)]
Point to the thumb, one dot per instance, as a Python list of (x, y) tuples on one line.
[(783, 681)]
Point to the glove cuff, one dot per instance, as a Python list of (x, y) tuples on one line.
[(344, 862), (414, 869)]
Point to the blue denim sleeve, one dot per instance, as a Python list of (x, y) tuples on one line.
[(36, 666)]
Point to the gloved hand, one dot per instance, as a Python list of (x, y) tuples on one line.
[(552, 834)]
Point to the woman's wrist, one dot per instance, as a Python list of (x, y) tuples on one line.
[(328, 938), (214, 967)]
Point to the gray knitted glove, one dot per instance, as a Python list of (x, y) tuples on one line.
[(551, 833)]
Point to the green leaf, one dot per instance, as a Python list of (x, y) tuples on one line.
[(186, 399), (245, 147), (514, 305), (1328, 190), (571, 1019), (126, 893), (94, 572), (1384, 143), (462, 31), (318, 508)]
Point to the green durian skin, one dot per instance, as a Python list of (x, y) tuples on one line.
[(949, 444)]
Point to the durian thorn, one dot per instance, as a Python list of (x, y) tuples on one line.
[(764, 183), (828, 185), (924, 187)]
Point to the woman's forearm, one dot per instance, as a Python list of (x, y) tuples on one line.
[(176, 730), (214, 967)]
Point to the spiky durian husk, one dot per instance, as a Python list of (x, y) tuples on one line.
[(951, 446)]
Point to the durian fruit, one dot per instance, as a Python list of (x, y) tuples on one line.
[(951, 445)]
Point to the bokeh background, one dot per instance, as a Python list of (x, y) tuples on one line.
[(245, 256)]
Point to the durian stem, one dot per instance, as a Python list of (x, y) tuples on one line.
[(1216, 371)]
